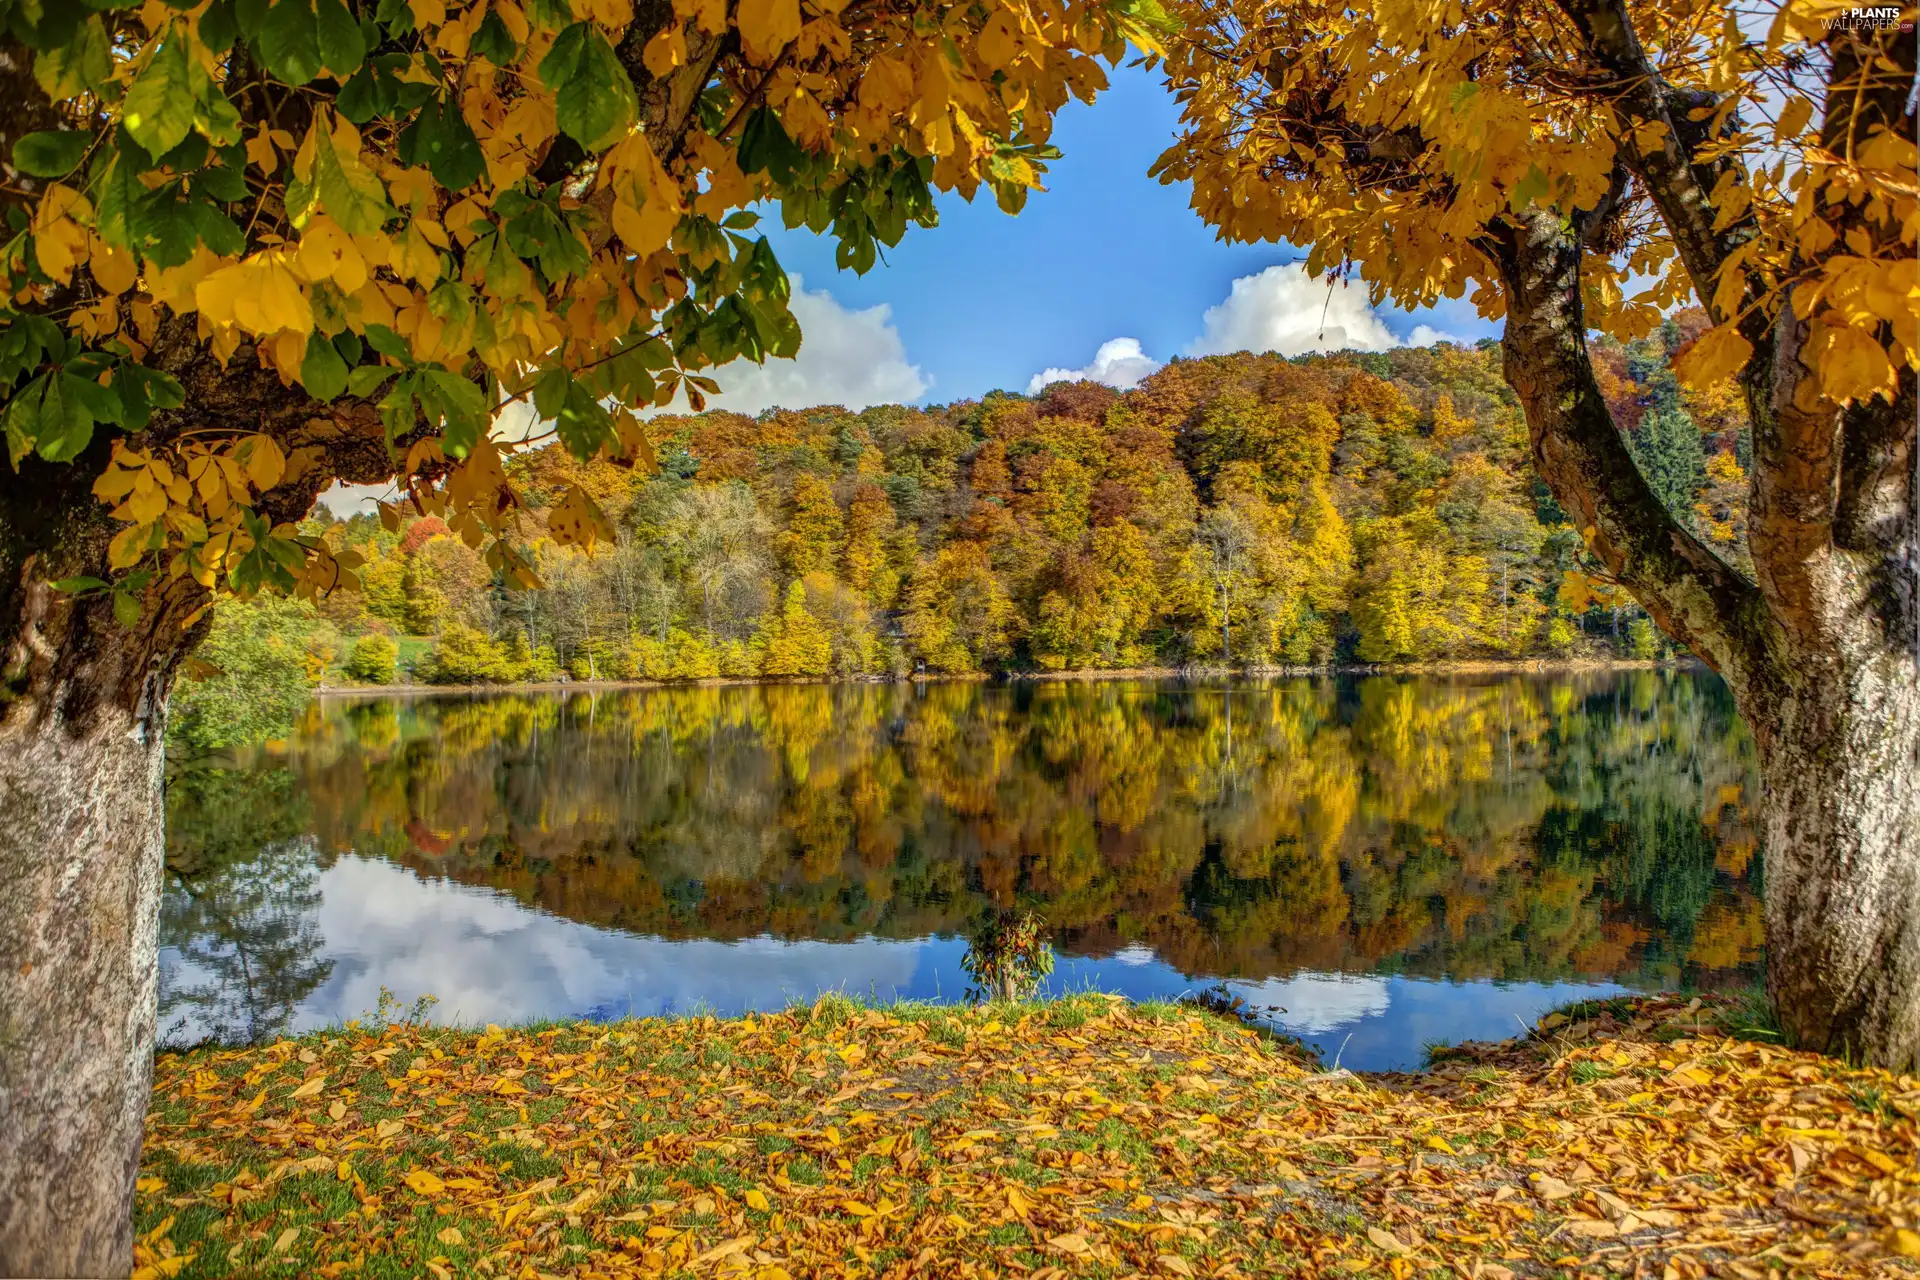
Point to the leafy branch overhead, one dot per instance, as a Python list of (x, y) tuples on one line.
[(411, 213)]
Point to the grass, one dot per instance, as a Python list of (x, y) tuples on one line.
[(1084, 1135)]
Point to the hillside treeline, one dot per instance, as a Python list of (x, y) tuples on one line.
[(1232, 510)]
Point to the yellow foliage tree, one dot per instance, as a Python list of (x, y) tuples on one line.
[(258, 248), (1575, 165)]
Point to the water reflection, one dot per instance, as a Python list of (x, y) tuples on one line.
[(1390, 861)]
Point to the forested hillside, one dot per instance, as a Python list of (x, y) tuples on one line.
[(1232, 510)]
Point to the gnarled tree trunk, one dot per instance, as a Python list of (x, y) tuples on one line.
[(1821, 652)]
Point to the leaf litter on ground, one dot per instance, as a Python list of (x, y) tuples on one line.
[(1082, 1137)]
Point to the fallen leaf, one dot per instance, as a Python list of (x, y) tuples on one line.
[(338, 1110), (387, 1128), (310, 1088), (1384, 1239), (1550, 1188), (756, 1200), (285, 1242), (424, 1183), (450, 1236), (1072, 1242)]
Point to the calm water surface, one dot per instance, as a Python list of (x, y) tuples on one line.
[(1375, 863)]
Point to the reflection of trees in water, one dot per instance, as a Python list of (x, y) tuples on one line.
[(239, 908), (1514, 827)]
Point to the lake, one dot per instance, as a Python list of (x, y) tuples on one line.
[(1372, 863)]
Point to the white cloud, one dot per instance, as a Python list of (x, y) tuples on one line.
[(1425, 335), (1281, 309), (1119, 363), (1285, 311), (849, 358)]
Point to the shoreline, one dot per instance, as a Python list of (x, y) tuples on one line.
[(1461, 667)]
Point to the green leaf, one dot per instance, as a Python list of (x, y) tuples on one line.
[(289, 41), (461, 405), (494, 42), (441, 139), (23, 419), (593, 98), (158, 110), (342, 46), (353, 193), (73, 586), (583, 423), (82, 61), (51, 153), (765, 146), (364, 380), (66, 426), (126, 610), (1527, 190), (323, 373)]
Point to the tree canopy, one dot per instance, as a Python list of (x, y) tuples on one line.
[(260, 245)]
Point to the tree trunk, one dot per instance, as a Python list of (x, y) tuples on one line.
[(1840, 775), (81, 845), (82, 730)]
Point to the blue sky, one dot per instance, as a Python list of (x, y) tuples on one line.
[(987, 301)]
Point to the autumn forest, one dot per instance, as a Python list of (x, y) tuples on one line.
[(1241, 510)]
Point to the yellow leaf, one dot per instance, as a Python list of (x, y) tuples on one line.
[(1174, 1263), (147, 1186), (1383, 1239), (1438, 1143), (508, 1087), (285, 1242), (1072, 1242), (1851, 363), (387, 1128), (264, 462), (857, 1209), (427, 13), (1904, 1242), (1718, 353), (757, 1200), (310, 1088), (667, 50), (766, 26), (338, 1110), (1793, 118), (327, 252), (450, 1236), (261, 154), (424, 1183), (113, 269)]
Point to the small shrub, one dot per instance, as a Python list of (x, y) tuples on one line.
[(374, 660), (1008, 957)]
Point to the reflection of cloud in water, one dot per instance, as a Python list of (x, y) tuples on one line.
[(1316, 1002), (489, 959)]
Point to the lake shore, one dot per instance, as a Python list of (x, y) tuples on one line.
[(1085, 1135), (1474, 667)]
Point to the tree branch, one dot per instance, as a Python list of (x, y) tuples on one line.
[(1579, 452), (1680, 184)]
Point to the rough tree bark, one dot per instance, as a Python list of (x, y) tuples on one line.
[(81, 836)]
